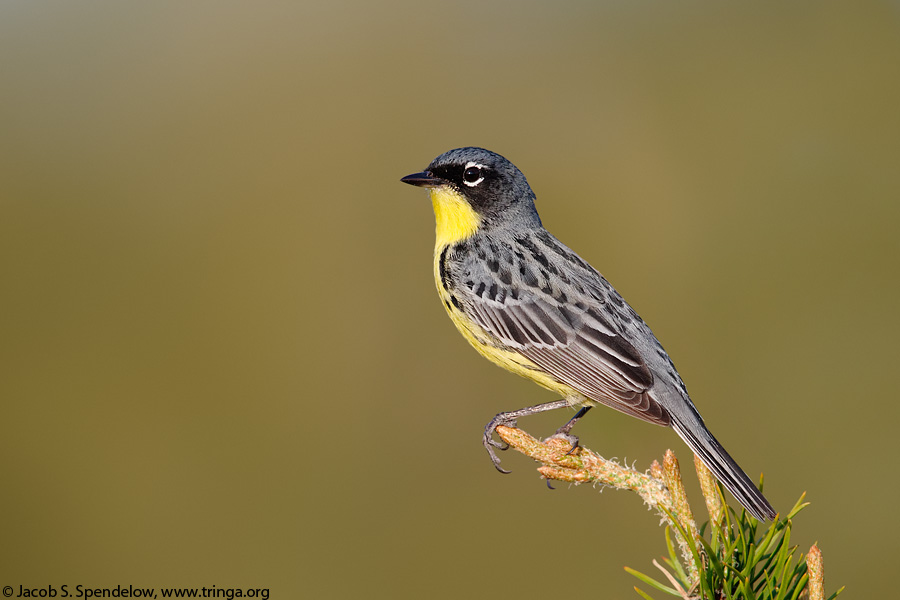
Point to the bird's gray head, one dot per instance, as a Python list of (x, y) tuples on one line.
[(490, 184)]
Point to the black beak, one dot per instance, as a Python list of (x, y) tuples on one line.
[(423, 179)]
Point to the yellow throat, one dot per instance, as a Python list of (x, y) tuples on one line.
[(455, 219)]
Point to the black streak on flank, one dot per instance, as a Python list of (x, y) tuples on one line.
[(442, 266), (456, 303)]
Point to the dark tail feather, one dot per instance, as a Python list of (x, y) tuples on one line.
[(724, 468)]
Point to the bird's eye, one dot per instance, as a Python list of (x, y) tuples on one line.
[(472, 176)]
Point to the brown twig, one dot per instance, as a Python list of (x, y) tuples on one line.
[(579, 465)]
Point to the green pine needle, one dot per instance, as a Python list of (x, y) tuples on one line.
[(642, 594), (741, 560), (652, 582)]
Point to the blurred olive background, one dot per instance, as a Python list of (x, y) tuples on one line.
[(223, 359)]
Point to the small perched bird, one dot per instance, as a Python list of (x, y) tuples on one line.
[(530, 304)]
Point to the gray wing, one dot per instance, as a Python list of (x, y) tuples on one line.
[(557, 320)]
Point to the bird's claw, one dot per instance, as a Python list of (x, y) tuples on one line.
[(498, 445), (508, 419), (490, 444)]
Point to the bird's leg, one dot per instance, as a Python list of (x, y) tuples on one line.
[(508, 419), (565, 429), (563, 432)]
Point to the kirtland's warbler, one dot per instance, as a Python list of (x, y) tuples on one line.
[(531, 305)]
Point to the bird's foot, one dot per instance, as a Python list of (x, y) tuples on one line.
[(508, 419), (490, 444), (572, 440), (564, 432)]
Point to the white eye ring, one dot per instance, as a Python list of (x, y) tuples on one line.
[(470, 165)]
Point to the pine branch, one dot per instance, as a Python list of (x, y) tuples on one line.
[(737, 561)]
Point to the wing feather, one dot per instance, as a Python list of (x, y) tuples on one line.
[(579, 348)]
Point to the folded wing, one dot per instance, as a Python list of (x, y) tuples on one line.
[(574, 343)]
